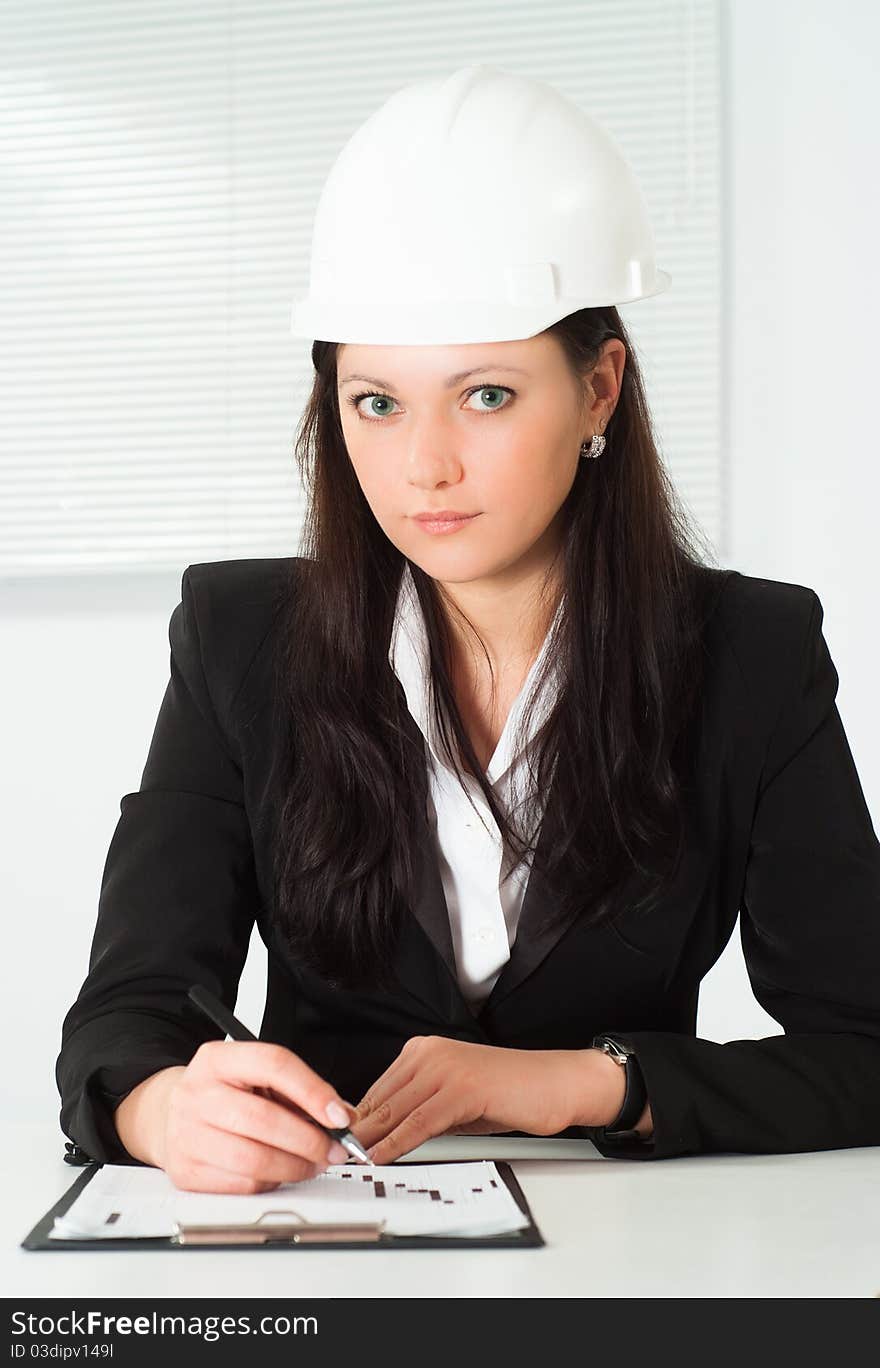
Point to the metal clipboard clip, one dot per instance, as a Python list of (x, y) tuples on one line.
[(299, 1231)]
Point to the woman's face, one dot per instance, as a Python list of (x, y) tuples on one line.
[(502, 443)]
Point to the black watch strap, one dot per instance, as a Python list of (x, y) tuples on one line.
[(636, 1094)]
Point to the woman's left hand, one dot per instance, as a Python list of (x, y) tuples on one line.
[(437, 1085)]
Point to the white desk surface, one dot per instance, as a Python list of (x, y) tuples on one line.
[(738, 1225)]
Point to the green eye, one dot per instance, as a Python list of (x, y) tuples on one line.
[(377, 400), (496, 393), (381, 403)]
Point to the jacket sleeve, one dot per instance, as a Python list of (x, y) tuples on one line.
[(810, 932), (177, 906)]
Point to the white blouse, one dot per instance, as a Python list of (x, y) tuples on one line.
[(483, 894)]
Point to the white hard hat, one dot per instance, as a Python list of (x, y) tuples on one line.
[(477, 208)]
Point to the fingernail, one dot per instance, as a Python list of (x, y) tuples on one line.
[(337, 1153), (337, 1114)]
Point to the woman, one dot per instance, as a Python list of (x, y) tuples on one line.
[(495, 790)]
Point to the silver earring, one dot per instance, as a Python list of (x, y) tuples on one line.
[(596, 446)]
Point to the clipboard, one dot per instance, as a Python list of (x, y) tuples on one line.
[(294, 1234)]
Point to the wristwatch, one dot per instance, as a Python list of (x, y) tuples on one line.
[(624, 1123)]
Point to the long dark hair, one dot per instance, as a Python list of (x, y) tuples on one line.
[(351, 771)]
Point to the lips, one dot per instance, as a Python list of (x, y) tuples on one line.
[(438, 524)]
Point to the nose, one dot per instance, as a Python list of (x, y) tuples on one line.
[(431, 458)]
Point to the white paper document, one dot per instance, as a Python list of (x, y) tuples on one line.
[(122, 1201)]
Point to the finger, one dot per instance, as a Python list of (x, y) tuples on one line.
[(239, 1112), (254, 1160), (395, 1077), (272, 1096), (203, 1177), (411, 1058), (386, 1115), (336, 1153), (262, 1064), (417, 1117)]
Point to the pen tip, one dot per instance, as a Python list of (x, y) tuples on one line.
[(355, 1148)]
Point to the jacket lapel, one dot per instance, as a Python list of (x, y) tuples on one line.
[(534, 939), (430, 906), (532, 944)]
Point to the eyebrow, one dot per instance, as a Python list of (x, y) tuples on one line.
[(451, 380)]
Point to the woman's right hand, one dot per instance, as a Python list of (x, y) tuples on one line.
[(230, 1120)]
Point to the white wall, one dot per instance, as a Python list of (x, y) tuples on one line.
[(802, 130), (85, 668)]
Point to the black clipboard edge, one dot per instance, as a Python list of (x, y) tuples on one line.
[(529, 1237)]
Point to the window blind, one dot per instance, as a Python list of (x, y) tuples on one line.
[(160, 166)]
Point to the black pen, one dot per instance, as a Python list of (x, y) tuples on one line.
[(222, 1017)]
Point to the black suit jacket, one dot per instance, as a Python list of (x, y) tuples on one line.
[(780, 834)]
